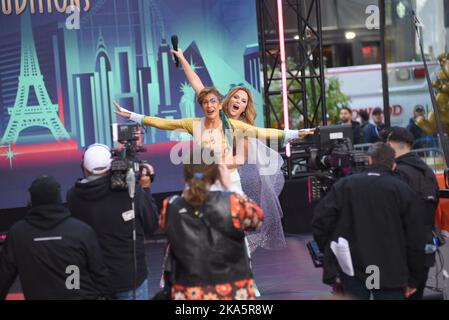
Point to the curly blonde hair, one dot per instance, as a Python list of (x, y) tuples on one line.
[(249, 115)]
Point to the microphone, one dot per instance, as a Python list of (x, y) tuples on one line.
[(131, 182), (174, 43)]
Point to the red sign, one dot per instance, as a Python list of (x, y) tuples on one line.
[(395, 110)]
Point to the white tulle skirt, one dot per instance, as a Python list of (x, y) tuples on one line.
[(262, 181)]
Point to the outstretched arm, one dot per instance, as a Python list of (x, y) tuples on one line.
[(156, 122), (268, 133), (191, 75)]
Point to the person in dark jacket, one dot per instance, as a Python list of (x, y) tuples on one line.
[(421, 140), (364, 117), (107, 211), (346, 119), (375, 212), (56, 256), (372, 131), (416, 131), (205, 229), (421, 178)]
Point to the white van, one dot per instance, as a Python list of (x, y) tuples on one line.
[(407, 83)]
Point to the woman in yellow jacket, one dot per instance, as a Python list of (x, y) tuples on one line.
[(216, 131)]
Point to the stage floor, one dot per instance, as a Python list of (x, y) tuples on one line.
[(280, 275)]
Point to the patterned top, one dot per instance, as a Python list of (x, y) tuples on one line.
[(246, 216)]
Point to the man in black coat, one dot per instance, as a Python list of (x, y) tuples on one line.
[(108, 212), (374, 211), (56, 256), (421, 178)]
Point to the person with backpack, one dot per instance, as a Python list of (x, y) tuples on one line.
[(421, 179), (205, 228)]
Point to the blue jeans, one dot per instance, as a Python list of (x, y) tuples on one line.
[(142, 293)]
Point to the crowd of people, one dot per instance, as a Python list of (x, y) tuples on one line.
[(87, 249), (93, 248), (367, 128), (90, 239), (386, 214)]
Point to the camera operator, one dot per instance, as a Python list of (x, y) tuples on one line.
[(420, 177), (41, 247), (376, 213), (108, 212)]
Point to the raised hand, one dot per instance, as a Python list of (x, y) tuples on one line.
[(145, 179), (179, 54), (306, 132), (121, 112)]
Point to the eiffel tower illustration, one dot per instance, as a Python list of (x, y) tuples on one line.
[(25, 116)]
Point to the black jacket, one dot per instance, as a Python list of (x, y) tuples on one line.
[(415, 130), (375, 211), (40, 249), (371, 133), (96, 204), (418, 175), (206, 247)]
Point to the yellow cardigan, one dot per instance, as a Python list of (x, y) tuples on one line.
[(187, 124)]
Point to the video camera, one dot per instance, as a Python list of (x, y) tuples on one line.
[(126, 157), (327, 156)]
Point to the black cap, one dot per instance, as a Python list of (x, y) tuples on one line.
[(402, 135), (45, 190), (377, 111), (419, 108)]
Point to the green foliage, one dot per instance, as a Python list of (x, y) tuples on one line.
[(335, 99)]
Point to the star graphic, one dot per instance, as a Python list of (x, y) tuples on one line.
[(10, 154), (194, 66)]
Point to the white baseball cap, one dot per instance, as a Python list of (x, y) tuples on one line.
[(97, 158)]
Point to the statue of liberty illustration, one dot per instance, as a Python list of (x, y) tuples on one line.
[(187, 107)]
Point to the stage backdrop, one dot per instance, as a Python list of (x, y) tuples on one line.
[(59, 74)]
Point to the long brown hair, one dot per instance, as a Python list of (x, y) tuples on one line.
[(249, 115), (199, 177)]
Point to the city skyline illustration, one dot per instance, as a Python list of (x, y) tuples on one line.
[(57, 85), (120, 53)]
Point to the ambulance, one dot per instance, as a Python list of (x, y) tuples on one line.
[(407, 84)]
